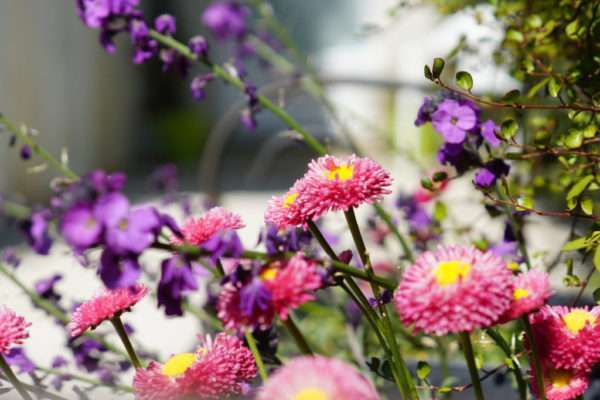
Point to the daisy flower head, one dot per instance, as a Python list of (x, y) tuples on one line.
[(454, 289), (13, 329), (332, 184), (268, 291), (197, 231), (218, 369), (530, 292), (287, 211), (561, 384), (105, 305), (568, 338), (317, 378)]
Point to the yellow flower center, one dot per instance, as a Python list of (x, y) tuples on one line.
[(520, 293), (576, 320), (559, 378), (178, 364), (449, 272), (290, 199), (344, 172), (311, 394), (513, 266), (268, 274)]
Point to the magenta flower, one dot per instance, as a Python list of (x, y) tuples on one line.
[(216, 370), (560, 384), (454, 289), (286, 211), (453, 119), (531, 290), (103, 306), (197, 231), (226, 19), (317, 378), (568, 338), (13, 330)]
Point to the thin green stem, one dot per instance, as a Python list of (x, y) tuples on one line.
[(516, 369), (467, 347), (26, 139), (297, 335), (81, 378), (259, 361), (118, 324), (10, 375), (534, 357)]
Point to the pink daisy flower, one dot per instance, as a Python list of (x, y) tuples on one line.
[(454, 289), (283, 286), (196, 231), (218, 369), (286, 211), (103, 306), (560, 384), (338, 185), (317, 378), (568, 338), (13, 329), (531, 290)]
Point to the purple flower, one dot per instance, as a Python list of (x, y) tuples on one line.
[(178, 275), (452, 120), (254, 295), (59, 362), (248, 119), (226, 19), (508, 247), (145, 47), (225, 244), (25, 152), (17, 358), (87, 353), (165, 24), (36, 230), (492, 170), (96, 13), (10, 257), (199, 46), (489, 130), (290, 240), (165, 178), (101, 182), (198, 84), (45, 288), (117, 271), (425, 111), (457, 156), (80, 227)]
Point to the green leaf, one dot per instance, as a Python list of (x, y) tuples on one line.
[(574, 139), (590, 131), (572, 28), (553, 87), (587, 205), (428, 74), (464, 80), (438, 67), (509, 128), (514, 36), (534, 21), (597, 258), (440, 211), (440, 176), (423, 370), (580, 186), (427, 184), (575, 244), (444, 389), (511, 96), (536, 88), (524, 202)]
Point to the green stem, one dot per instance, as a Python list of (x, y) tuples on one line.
[(297, 335), (467, 347), (85, 379), (534, 357), (118, 324), (500, 342), (407, 387), (36, 149), (259, 361), (10, 375)]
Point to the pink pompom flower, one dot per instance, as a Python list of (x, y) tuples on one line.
[(454, 289), (317, 378), (287, 211), (560, 384), (216, 370), (103, 306), (332, 184), (531, 290), (567, 338), (271, 290), (196, 231), (13, 330)]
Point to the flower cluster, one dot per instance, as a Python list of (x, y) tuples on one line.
[(330, 184), (459, 122), (253, 297), (216, 370), (13, 330)]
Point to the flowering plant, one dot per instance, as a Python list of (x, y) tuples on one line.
[(300, 316)]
